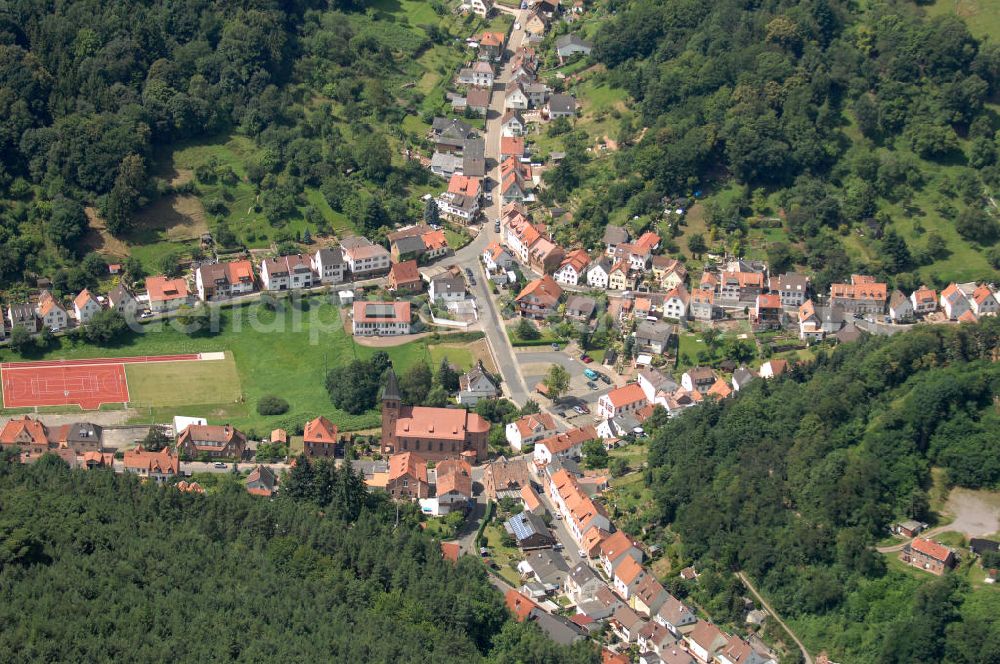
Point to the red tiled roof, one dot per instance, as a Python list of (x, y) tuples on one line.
[(450, 551), (438, 423), (162, 462), (463, 184), (454, 475), (519, 605), (83, 298), (401, 312), (18, 425), (545, 289), (512, 145), (623, 396), (320, 430), (563, 441), (161, 289), (932, 549), (407, 463)]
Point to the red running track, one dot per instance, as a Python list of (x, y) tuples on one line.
[(100, 360), (87, 383)]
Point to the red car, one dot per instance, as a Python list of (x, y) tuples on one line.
[(586, 359)]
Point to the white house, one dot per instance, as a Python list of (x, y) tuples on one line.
[(447, 288), (573, 268), (567, 445), (598, 273), (474, 385), (627, 399), (984, 301), (85, 306), (515, 97), (479, 75), (286, 273), (329, 265), (675, 304), (954, 302), (513, 124), (51, 312), (123, 301), (497, 258), (481, 8), (530, 429), (364, 258)]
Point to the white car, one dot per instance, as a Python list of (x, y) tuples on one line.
[(517, 26)]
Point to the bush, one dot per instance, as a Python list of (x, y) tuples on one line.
[(272, 405)]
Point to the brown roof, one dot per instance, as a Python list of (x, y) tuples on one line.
[(200, 433), (362, 309), (83, 298), (628, 571), (530, 498), (404, 273), (454, 475), (528, 424), (616, 544), (450, 551)]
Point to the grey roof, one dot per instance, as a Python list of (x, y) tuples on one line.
[(549, 566), (848, 333), (452, 127), (562, 104), (831, 314), (526, 525), (742, 376), (443, 161), (584, 574), (119, 294), (790, 281), (615, 235), (655, 331), (354, 242), (897, 298), (474, 147), (572, 40), (603, 262), (331, 256), (446, 282), (626, 423), (391, 389), (659, 380), (409, 244), (585, 305), (84, 432), (559, 629), (21, 312)]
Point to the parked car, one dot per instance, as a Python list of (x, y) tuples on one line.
[(219, 464), (483, 551), (558, 516), (582, 410), (590, 373), (591, 384), (604, 379), (586, 359), (496, 226), (558, 546), (555, 346), (468, 273)]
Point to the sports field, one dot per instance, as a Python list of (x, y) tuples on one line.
[(88, 383)]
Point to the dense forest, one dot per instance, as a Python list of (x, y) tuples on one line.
[(796, 479), (93, 93), (813, 116), (100, 567)]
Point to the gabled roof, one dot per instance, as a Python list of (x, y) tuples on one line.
[(932, 549), (19, 426), (454, 475), (627, 395), (982, 293), (528, 425), (519, 605), (162, 462), (161, 289), (924, 295), (578, 259), (615, 234), (407, 463), (320, 430), (83, 299), (545, 289), (720, 389), (405, 272), (564, 441), (617, 544)]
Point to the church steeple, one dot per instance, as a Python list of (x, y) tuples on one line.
[(391, 390), (391, 401)]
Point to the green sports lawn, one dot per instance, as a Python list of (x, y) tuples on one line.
[(284, 353), (167, 384)]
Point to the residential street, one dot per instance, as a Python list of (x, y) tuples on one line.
[(469, 256)]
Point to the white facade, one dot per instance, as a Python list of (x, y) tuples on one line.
[(328, 264), (567, 275), (597, 276), (87, 311)]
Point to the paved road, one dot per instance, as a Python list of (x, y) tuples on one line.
[(770, 609), (469, 255), (571, 550)]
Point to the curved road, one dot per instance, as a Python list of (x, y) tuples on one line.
[(805, 653)]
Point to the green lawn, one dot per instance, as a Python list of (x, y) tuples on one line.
[(165, 384), (982, 16), (282, 353), (503, 555)]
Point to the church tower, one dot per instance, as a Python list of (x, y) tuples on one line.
[(390, 409)]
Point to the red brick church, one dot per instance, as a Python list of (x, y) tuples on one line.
[(433, 433)]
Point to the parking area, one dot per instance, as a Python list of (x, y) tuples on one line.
[(583, 392)]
